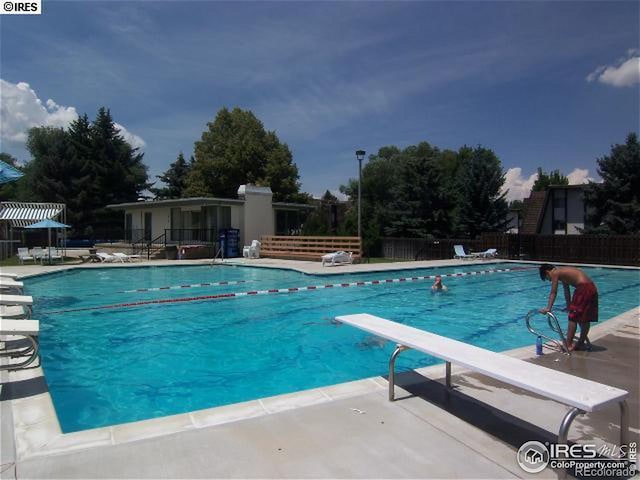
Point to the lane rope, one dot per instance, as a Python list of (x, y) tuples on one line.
[(289, 290), (179, 287)]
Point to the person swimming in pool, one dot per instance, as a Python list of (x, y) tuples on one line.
[(582, 307), (438, 286)]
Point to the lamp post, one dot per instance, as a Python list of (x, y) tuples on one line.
[(360, 156)]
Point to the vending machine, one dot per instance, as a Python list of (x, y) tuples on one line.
[(229, 239)]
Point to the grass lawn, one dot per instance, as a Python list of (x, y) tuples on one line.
[(15, 262), (382, 260)]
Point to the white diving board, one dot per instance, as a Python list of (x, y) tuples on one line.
[(10, 283), (10, 300), (581, 394)]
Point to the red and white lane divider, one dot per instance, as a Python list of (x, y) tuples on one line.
[(289, 290), (180, 287)]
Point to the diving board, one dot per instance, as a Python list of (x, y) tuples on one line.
[(580, 394)]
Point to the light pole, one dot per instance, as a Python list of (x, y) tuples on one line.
[(360, 156)]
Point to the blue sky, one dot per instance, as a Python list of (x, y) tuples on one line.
[(550, 84)]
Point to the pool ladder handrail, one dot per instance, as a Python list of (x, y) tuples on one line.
[(551, 343), (220, 253)]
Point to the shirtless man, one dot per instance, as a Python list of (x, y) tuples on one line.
[(582, 308)]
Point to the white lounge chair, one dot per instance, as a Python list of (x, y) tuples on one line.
[(252, 251), (38, 254), (337, 258), (461, 254), (489, 253), (52, 254), (106, 257), (23, 254), (123, 257)]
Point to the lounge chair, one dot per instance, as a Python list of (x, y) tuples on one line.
[(462, 255), (123, 257), (52, 254), (337, 258), (23, 254), (38, 254), (106, 257), (251, 251), (489, 253)]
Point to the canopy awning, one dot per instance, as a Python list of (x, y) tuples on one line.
[(21, 214)]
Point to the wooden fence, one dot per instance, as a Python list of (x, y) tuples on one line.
[(600, 249), (307, 247)]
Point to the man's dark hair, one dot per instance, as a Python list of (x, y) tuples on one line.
[(544, 268)]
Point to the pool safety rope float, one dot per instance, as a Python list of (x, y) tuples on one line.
[(179, 287), (288, 290)]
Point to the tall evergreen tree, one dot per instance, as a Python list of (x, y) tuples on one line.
[(422, 205), (613, 206), (483, 207), (175, 179), (86, 167), (120, 175), (234, 150)]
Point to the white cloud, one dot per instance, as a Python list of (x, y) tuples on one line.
[(520, 187), (21, 109), (132, 139), (624, 73), (579, 176)]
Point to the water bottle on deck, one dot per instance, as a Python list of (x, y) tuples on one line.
[(539, 346)]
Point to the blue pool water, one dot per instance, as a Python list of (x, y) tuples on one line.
[(113, 365)]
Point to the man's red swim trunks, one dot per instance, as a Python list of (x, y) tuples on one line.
[(584, 304)]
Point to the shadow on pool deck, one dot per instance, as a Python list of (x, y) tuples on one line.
[(472, 432)]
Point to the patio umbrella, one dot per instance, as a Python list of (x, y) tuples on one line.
[(48, 224), (9, 173)]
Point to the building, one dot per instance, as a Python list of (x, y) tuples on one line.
[(199, 219), (559, 210)]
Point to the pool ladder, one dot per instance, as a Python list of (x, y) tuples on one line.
[(220, 254), (551, 343)]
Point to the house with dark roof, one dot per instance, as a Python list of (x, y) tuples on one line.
[(559, 210)]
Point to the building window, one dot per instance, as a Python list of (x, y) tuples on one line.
[(224, 217)]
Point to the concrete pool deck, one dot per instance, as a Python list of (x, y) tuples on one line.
[(341, 431)]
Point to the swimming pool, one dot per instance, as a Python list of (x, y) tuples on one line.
[(111, 356)]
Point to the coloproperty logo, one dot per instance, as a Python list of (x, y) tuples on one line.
[(24, 7), (586, 461)]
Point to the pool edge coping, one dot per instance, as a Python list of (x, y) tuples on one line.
[(37, 432)]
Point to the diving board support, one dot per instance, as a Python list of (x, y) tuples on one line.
[(29, 329)]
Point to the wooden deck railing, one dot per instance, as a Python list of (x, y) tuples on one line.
[(307, 248)]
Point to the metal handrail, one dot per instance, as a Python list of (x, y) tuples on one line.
[(220, 252), (552, 320)]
